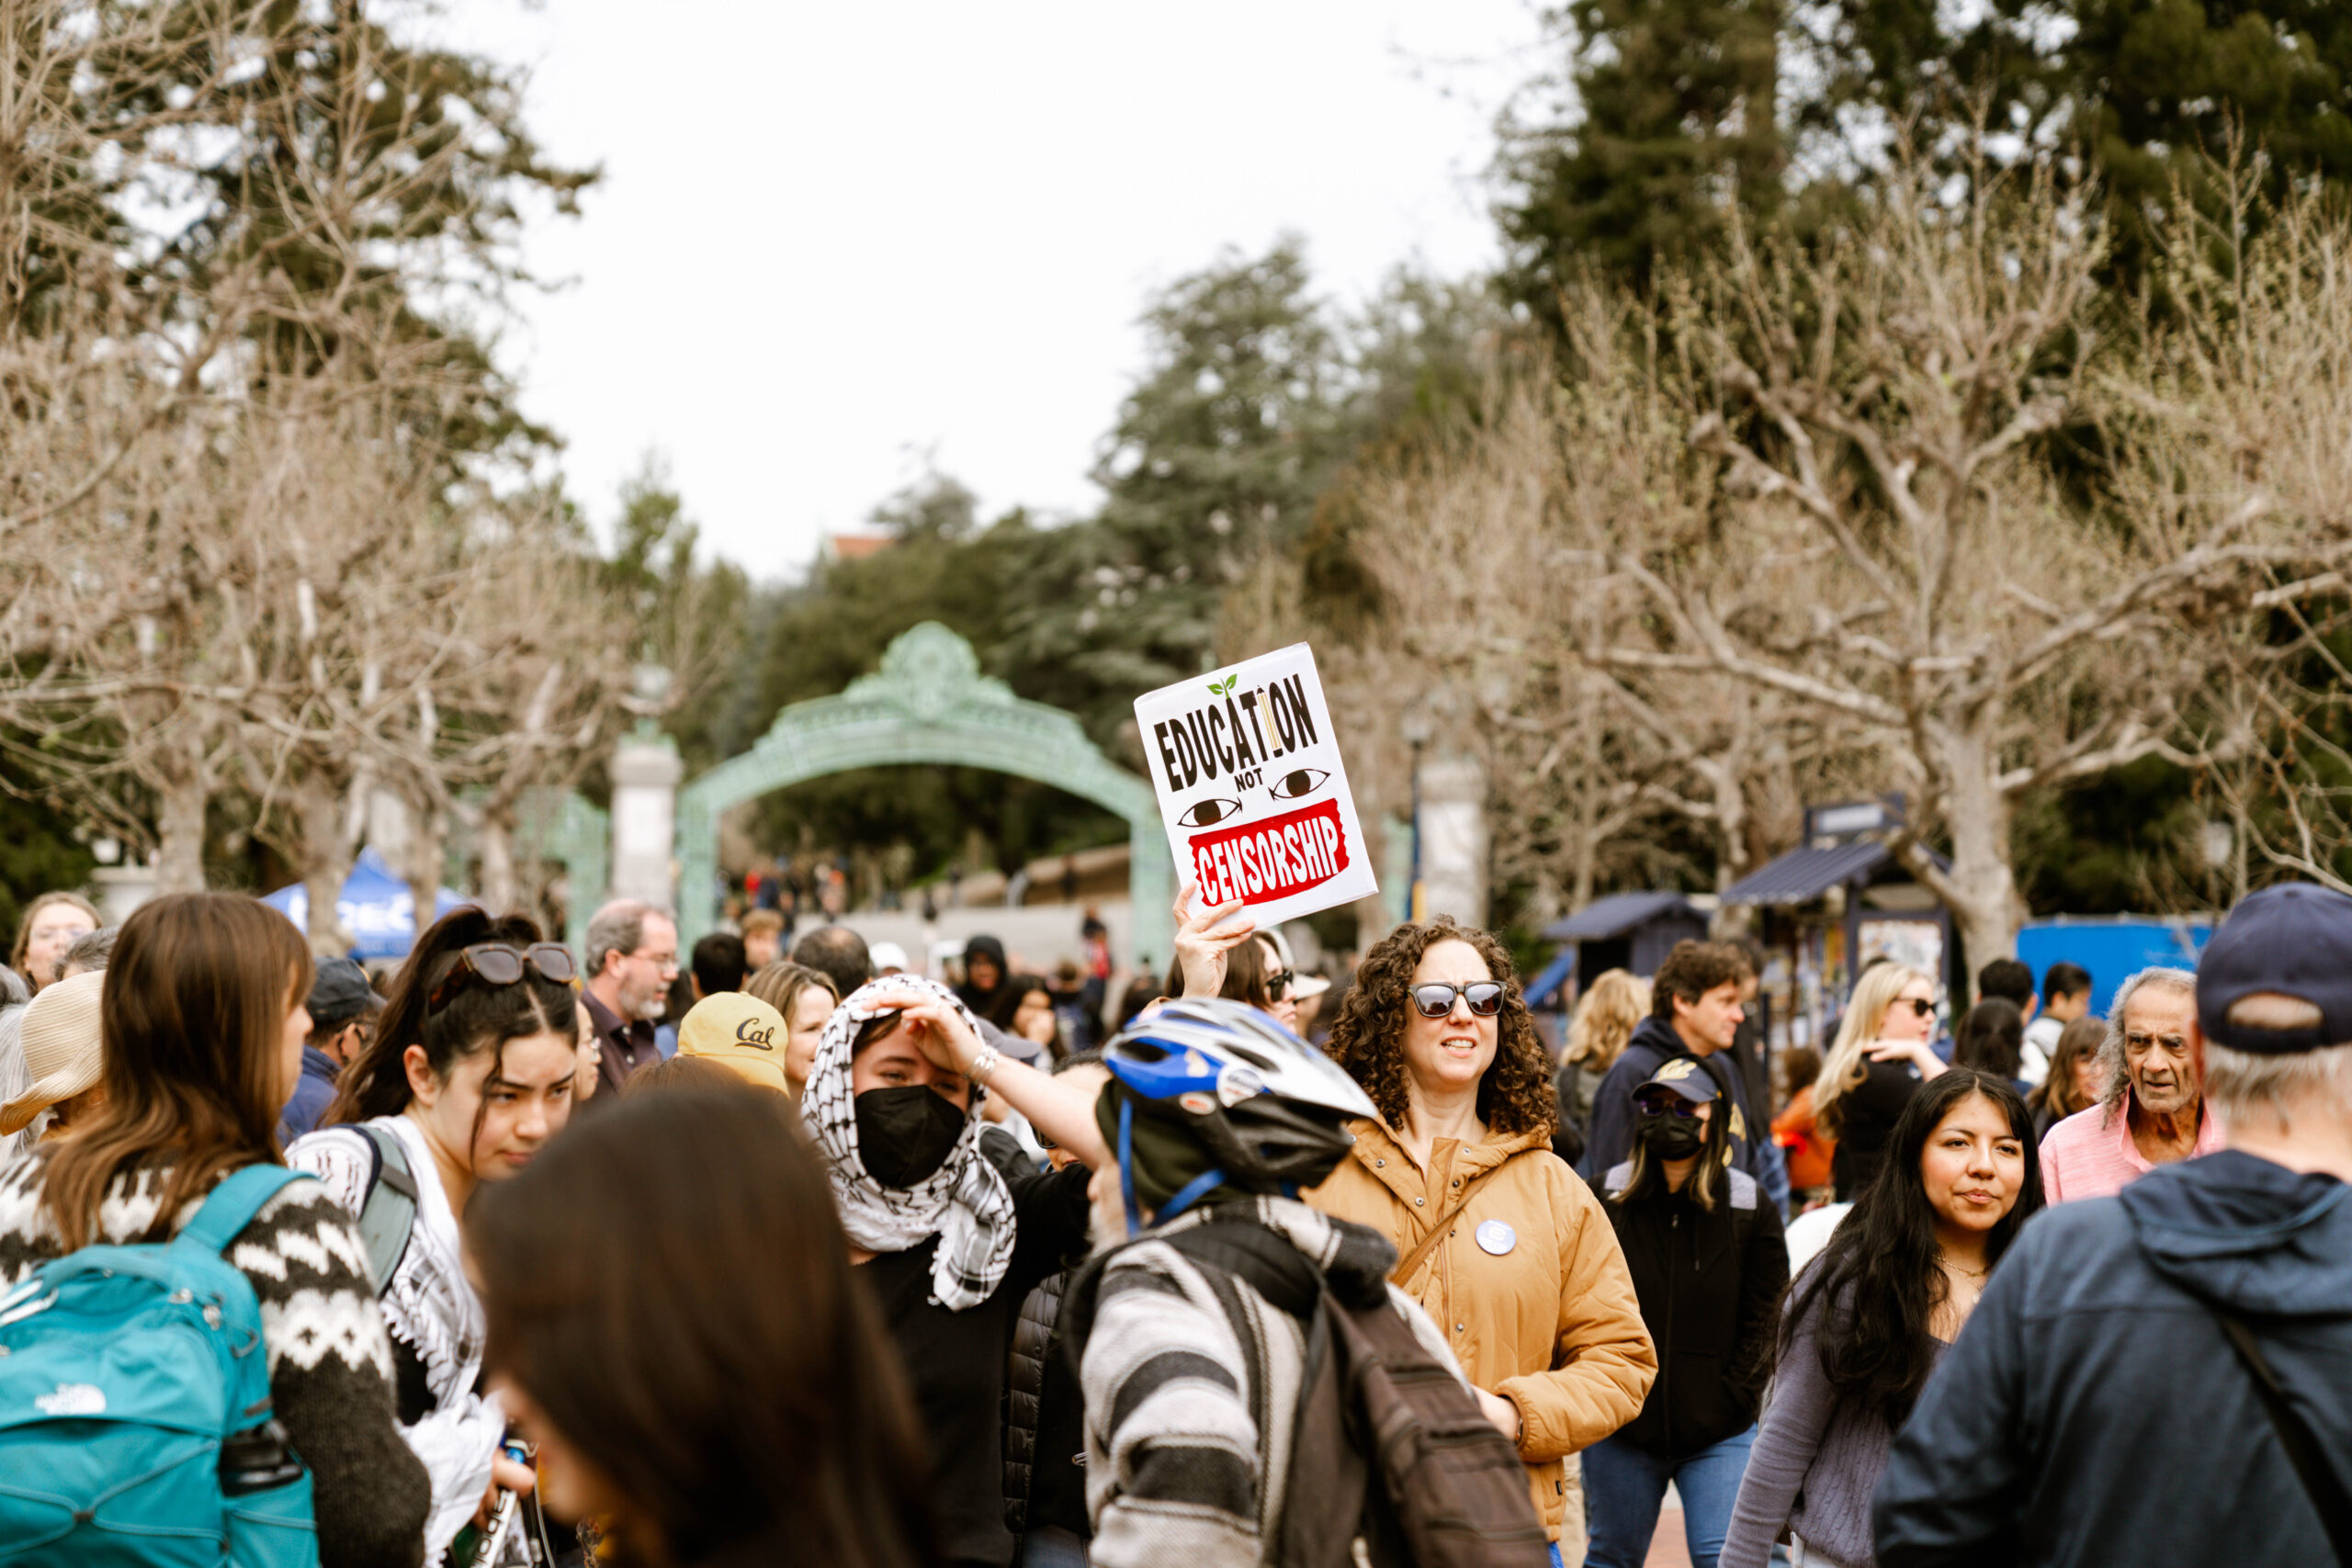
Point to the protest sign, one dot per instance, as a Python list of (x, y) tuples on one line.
[(1253, 790)]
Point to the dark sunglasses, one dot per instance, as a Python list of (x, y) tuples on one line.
[(1279, 986), (1436, 999), (1666, 1104), (496, 964), (1919, 1006)]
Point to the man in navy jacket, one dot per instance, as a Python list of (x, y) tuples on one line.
[(2095, 1409)]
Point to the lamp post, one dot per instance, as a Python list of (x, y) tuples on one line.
[(1417, 728)]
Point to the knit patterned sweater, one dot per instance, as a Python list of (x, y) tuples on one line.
[(329, 1364)]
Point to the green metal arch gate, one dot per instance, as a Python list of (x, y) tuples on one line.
[(929, 703)]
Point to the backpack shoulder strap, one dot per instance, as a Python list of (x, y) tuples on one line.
[(388, 1212), (232, 1205), (1420, 1255), (2304, 1451)]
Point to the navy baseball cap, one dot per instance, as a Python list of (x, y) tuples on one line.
[(1686, 1077), (339, 993), (2295, 939)]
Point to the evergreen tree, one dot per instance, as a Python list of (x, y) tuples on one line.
[(1668, 121), (2165, 86), (1217, 458)]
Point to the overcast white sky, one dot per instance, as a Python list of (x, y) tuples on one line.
[(833, 239)]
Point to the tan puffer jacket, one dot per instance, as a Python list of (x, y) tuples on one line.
[(1541, 1310)]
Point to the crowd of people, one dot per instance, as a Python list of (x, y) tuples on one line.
[(752, 1254)]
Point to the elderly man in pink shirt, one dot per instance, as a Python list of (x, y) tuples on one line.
[(2155, 1111)]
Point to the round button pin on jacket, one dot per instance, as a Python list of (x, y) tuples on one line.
[(1497, 1237)]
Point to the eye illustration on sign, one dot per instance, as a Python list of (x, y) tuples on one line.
[(1297, 781), (1253, 790)]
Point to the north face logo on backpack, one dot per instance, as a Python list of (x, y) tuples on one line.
[(73, 1399)]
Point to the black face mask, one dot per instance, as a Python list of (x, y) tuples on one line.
[(906, 1134), (1669, 1136)]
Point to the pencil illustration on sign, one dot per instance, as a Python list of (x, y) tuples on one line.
[(1252, 787)]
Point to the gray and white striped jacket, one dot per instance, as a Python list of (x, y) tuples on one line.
[(1191, 1380)]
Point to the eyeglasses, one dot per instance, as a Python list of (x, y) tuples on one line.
[(1920, 1006), (1665, 1103), (497, 964), (1279, 986), (1436, 999)]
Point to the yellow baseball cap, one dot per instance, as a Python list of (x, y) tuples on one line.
[(741, 1032)]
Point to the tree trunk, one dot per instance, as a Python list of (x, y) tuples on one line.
[(421, 862), (1730, 800), (326, 862), (1982, 890), (500, 889), (180, 837)]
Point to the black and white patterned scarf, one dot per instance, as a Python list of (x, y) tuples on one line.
[(965, 1203)]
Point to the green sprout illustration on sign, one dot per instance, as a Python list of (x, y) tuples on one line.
[(1225, 688)]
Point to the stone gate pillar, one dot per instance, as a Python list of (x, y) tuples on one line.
[(1453, 841), (646, 770)]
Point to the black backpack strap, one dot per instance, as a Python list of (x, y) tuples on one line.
[(2304, 1451)]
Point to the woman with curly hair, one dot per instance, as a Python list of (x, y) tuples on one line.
[(1502, 1246)]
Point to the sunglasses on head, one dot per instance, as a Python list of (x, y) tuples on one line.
[(1436, 999), (1665, 1102), (500, 964)]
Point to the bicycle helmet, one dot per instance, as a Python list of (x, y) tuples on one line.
[(1268, 1111)]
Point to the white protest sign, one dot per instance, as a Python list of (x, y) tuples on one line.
[(1253, 790)]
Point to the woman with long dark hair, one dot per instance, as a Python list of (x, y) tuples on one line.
[(201, 1026), (470, 1073), (1704, 1248), (673, 1320), (1870, 1318)]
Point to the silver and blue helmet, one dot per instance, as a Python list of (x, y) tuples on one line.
[(1270, 1110)]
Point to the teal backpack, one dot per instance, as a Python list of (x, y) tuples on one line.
[(135, 1426)]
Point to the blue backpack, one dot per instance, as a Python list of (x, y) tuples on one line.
[(135, 1426)]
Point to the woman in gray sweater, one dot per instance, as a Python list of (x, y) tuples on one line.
[(1869, 1319)]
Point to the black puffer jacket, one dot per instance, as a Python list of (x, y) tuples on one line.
[(1709, 1283), (1045, 1436)]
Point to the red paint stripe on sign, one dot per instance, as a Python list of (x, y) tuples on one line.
[(1270, 860)]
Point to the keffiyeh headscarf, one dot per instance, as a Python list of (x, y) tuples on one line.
[(965, 1203)]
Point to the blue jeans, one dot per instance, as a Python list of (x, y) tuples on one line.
[(1624, 1488)]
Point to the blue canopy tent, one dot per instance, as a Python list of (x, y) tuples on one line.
[(2112, 949), (1548, 990), (375, 906)]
